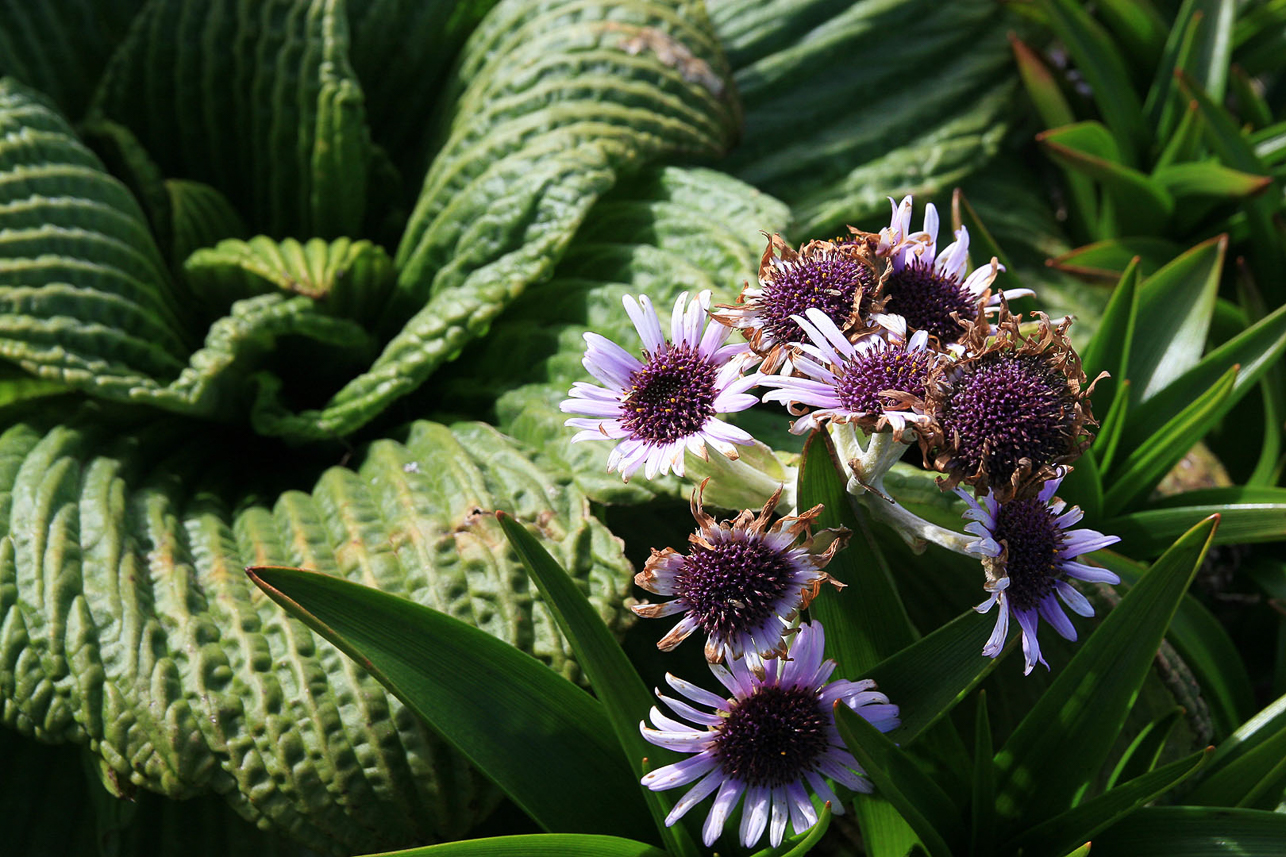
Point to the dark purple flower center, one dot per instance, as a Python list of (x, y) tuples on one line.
[(734, 586), (1007, 407), (892, 368), (825, 281), (1034, 540), (773, 737), (671, 396), (926, 300)]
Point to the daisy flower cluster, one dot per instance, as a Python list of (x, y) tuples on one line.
[(882, 340)]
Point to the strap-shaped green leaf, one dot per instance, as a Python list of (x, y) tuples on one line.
[(275, 71), (1246, 514), (1091, 696), (539, 845), (1163, 831), (543, 740), (130, 628), (918, 799), (947, 124)]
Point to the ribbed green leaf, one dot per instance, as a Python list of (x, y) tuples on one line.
[(401, 51), (201, 217), (982, 797), (1164, 831), (1091, 696), (131, 629), (347, 279), (551, 101), (52, 802), (1109, 350), (947, 124), (1244, 758), (274, 73), (84, 295), (664, 232), (61, 46), (543, 740)]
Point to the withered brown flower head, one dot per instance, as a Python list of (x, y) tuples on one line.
[(839, 279), (1006, 415), (741, 582)]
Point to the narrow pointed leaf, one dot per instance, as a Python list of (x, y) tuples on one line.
[(1109, 350), (1145, 750), (537, 845), (1107, 260), (1099, 60), (546, 742), (928, 678), (1249, 759), (1090, 698), (1114, 421), (1209, 179), (615, 681), (918, 799), (1138, 27), (1163, 831), (983, 796), (1177, 302), (1145, 465), (1138, 199), (1256, 350), (1087, 819), (1205, 646), (1248, 514)]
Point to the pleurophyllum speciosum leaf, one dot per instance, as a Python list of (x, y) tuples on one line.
[(550, 101), (668, 230), (257, 99), (127, 625), (878, 125), (60, 47)]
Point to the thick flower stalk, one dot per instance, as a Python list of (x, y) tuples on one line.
[(665, 402), (742, 582), (1031, 554), (769, 741)]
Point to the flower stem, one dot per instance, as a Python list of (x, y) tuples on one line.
[(865, 469)]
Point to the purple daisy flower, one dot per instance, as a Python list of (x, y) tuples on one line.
[(664, 404), (927, 287), (772, 736), (742, 582), (1030, 553), (852, 381)]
